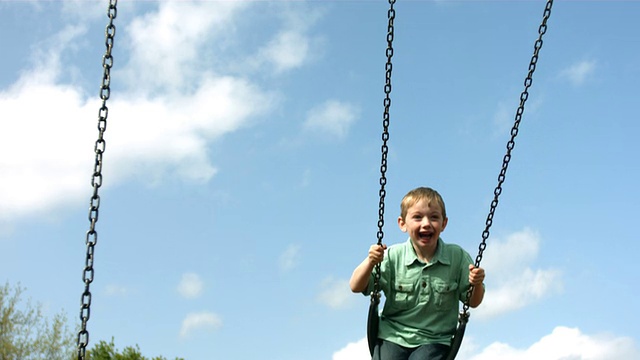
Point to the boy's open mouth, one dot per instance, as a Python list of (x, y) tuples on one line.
[(426, 235)]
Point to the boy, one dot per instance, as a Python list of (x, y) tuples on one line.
[(422, 279)]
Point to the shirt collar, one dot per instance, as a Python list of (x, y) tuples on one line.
[(440, 255)]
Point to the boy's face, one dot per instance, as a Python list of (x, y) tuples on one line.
[(424, 222)]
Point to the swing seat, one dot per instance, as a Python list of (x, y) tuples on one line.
[(456, 340), (373, 323)]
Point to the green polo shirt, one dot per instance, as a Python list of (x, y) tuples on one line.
[(422, 300)]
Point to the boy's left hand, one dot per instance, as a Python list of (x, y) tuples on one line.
[(476, 275)]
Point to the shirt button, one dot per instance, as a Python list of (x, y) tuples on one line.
[(424, 284)]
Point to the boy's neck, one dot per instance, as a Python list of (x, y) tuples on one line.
[(425, 255)]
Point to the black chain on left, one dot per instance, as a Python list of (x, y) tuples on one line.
[(96, 182), (391, 15), (510, 145)]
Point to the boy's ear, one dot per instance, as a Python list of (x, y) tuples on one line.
[(444, 223), (401, 224)]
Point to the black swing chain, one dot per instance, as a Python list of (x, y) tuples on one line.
[(391, 14), (464, 316), (96, 182)]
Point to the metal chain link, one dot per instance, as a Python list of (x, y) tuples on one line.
[(96, 182), (510, 145), (391, 15)]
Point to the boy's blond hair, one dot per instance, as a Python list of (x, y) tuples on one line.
[(421, 193)]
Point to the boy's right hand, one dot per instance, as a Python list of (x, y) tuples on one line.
[(376, 253)]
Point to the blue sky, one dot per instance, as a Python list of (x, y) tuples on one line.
[(242, 163)]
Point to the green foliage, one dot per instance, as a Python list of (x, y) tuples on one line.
[(25, 334), (107, 351)]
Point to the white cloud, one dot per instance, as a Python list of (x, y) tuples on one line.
[(178, 102), (524, 288), (116, 290), (190, 286), (170, 134), (167, 46), (332, 117), (288, 50), (48, 149), (503, 256), (335, 293), (290, 257), (505, 113), (83, 9), (45, 146), (511, 282), (579, 72), (45, 140), (562, 344), (200, 322), (502, 119), (358, 350), (306, 178), (292, 46)]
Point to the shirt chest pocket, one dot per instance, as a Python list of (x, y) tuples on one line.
[(403, 296), (445, 295)]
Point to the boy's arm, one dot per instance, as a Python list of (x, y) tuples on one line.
[(476, 296), (476, 278), (360, 277)]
